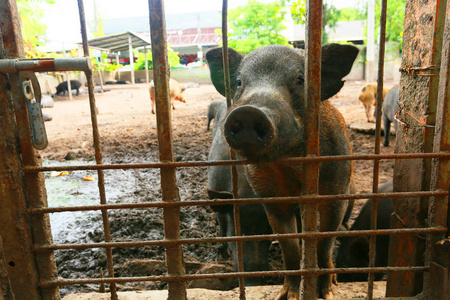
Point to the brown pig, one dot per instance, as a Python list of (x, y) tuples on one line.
[(266, 123), (368, 98), (176, 93)]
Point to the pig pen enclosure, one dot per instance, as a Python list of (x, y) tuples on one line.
[(116, 231)]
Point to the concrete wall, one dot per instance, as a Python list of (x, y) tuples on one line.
[(198, 75), (391, 71)]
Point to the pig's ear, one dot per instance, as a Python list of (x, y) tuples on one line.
[(337, 62), (215, 62)]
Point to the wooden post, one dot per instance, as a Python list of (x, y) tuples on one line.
[(422, 44), (5, 285), (20, 191)]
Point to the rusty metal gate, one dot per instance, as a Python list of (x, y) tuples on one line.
[(27, 262)]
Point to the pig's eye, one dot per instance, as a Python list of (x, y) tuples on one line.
[(300, 80), (238, 81)]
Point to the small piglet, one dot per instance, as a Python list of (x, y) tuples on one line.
[(63, 87), (176, 93), (368, 98), (266, 123)]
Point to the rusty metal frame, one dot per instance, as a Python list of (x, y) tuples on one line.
[(309, 213), (21, 190), (376, 163), (169, 187), (98, 152), (421, 109), (30, 168), (234, 174)]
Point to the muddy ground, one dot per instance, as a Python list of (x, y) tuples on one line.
[(128, 135)]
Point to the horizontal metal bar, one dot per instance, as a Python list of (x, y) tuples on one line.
[(33, 169), (170, 278), (46, 64), (299, 199), (309, 235)]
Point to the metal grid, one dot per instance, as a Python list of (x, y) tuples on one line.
[(176, 277)]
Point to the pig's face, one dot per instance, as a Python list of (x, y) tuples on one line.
[(269, 106), (265, 122), (181, 98)]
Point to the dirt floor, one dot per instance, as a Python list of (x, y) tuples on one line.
[(128, 135)]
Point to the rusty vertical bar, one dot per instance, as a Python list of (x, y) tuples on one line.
[(422, 44), (376, 163), (438, 208), (5, 284), (226, 65), (98, 152), (313, 55), (25, 190), (234, 174), (169, 188)]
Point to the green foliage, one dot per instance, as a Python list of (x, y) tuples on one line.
[(395, 16), (298, 11), (256, 24), (140, 61), (352, 14), (174, 59), (330, 15), (31, 15), (100, 26), (97, 25), (106, 66)]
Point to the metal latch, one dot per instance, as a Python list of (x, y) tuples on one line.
[(32, 91), (32, 94)]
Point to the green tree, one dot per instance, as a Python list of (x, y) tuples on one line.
[(31, 14), (174, 59), (97, 25), (330, 15), (395, 15), (352, 14), (256, 24)]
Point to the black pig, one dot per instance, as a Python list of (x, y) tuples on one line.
[(63, 88), (353, 251), (390, 107), (212, 110), (266, 123), (253, 217)]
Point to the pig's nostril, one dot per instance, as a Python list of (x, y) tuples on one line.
[(236, 127), (261, 130)]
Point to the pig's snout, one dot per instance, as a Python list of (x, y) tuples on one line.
[(248, 128)]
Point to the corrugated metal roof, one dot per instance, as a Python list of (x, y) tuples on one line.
[(119, 41)]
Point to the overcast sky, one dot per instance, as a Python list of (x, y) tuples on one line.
[(62, 18)]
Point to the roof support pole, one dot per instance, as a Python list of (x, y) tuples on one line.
[(130, 50), (146, 64)]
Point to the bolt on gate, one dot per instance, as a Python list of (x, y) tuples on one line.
[(418, 268)]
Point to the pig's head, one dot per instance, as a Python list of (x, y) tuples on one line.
[(265, 122)]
